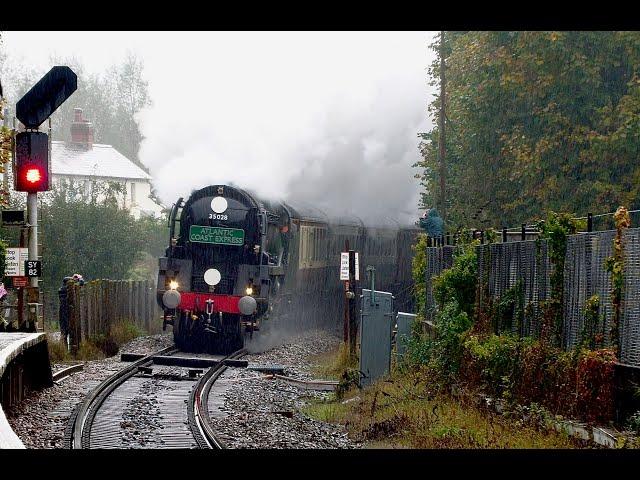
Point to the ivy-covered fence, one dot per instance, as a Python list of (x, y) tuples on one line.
[(630, 320), (514, 281), (515, 277), (587, 306), (438, 259)]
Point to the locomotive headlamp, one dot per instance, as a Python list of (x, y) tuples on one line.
[(247, 305), (249, 290), (171, 298), (173, 285)]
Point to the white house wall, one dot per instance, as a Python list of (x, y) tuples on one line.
[(142, 201)]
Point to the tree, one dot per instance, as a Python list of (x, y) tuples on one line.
[(110, 101), (537, 121)]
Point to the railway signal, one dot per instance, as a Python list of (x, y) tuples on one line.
[(46, 96), (32, 168)]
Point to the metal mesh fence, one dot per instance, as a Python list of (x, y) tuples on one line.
[(526, 265), (630, 315), (438, 259), (585, 276), (504, 266)]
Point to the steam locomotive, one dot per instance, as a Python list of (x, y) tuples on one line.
[(235, 260)]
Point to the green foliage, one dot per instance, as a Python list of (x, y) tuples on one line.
[(555, 229), (510, 308), (633, 424), (458, 283), (535, 121), (496, 358), (89, 234), (615, 266), (419, 273), (454, 292), (591, 337)]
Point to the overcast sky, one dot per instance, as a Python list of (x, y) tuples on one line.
[(324, 117)]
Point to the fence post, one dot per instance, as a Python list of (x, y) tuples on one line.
[(504, 235), (589, 222), (73, 332), (132, 318), (103, 306), (83, 313), (524, 232)]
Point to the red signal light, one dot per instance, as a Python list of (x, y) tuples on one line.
[(31, 162), (33, 175)]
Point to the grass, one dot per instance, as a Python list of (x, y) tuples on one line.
[(409, 411), (96, 347), (333, 364), (57, 351)]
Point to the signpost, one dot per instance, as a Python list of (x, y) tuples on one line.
[(344, 266), (349, 274)]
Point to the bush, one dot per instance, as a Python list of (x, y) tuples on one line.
[(492, 360), (458, 283)]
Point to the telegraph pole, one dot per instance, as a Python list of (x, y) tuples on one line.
[(441, 131)]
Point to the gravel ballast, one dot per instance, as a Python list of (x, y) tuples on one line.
[(40, 420), (250, 409)]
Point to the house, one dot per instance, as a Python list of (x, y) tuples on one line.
[(85, 162)]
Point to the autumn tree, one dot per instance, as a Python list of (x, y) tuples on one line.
[(537, 121)]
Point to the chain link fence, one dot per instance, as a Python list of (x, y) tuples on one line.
[(630, 315), (438, 259), (525, 266), (585, 276)]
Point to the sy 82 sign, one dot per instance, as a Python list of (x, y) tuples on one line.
[(33, 268)]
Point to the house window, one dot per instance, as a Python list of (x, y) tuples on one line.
[(133, 192)]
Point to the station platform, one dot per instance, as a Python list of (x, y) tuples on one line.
[(24, 366)]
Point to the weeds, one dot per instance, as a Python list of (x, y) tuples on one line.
[(406, 411), (96, 347)]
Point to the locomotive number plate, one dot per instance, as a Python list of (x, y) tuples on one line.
[(216, 235)]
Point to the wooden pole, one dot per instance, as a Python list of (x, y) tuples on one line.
[(441, 131), (353, 316), (346, 306)]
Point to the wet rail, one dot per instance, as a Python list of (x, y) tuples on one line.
[(135, 408), (199, 416)]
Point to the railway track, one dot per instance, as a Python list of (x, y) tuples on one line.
[(175, 408)]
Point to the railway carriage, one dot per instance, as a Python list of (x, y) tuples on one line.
[(234, 260)]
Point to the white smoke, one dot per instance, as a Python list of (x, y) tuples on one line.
[(328, 118)]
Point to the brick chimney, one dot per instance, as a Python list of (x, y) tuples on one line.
[(81, 131)]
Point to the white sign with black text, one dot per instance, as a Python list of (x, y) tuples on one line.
[(16, 257), (344, 266)]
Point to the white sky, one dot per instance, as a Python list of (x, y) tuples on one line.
[(325, 117)]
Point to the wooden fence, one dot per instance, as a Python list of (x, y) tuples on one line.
[(99, 304)]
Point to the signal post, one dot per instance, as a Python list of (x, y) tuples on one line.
[(32, 168)]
